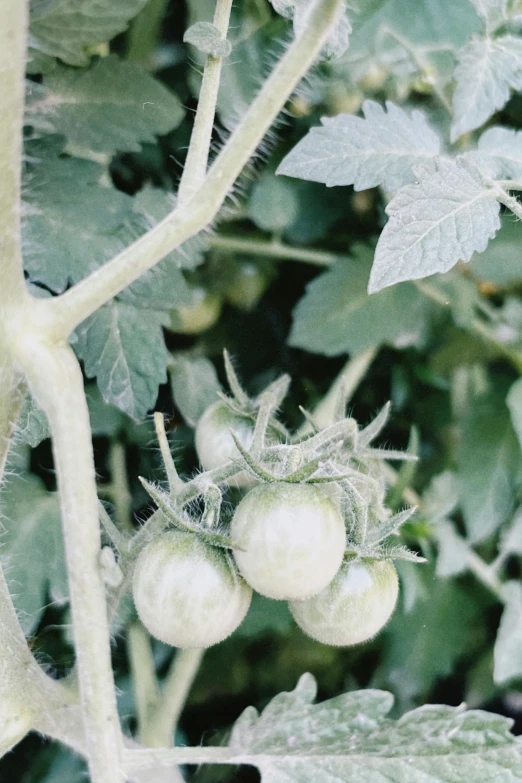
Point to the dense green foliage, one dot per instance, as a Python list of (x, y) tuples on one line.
[(398, 159)]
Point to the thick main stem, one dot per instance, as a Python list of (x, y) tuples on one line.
[(71, 308), (13, 33), (55, 379), (197, 156)]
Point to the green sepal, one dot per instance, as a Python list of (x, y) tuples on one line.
[(162, 500)]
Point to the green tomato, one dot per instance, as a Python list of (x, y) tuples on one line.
[(188, 593), (198, 317), (247, 287), (353, 607), (291, 540), (214, 442)]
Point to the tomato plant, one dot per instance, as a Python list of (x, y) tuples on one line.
[(326, 194)]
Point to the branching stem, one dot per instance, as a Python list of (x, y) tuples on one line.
[(197, 156), (74, 306), (13, 34)]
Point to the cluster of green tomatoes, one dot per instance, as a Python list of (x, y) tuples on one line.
[(310, 528)]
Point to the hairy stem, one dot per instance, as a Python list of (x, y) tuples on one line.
[(55, 379), (13, 34), (145, 684), (273, 248), (197, 156), (120, 492), (162, 725), (72, 307)]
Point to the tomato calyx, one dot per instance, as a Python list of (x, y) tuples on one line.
[(182, 521)]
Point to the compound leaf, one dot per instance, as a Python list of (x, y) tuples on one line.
[(446, 216), (112, 106), (123, 347), (349, 738), (377, 150), (487, 71), (68, 29), (336, 315)]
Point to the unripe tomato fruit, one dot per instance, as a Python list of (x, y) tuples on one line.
[(353, 607), (187, 593), (247, 286), (198, 317), (291, 540), (214, 442)]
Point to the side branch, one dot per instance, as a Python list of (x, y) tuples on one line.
[(74, 306), (197, 157), (13, 34)]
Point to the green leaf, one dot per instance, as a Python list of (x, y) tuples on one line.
[(505, 146), (207, 38), (441, 497), (446, 619), (112, 106), (443, 218), (32, 548), (194, 384), (32, 426), (123, 347), (508, 644), (72, 219), (68, 29), (336, 315), (488, 69), (433, 21), (349, 738), (274, 203), (377, 150), (489, 467), (453, 550), (336, 43), (500, 263), (75, 223)]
